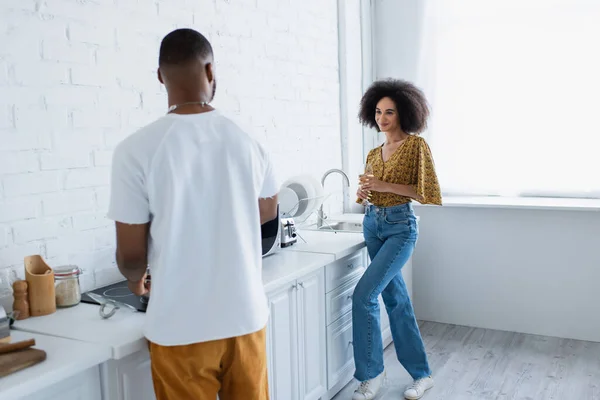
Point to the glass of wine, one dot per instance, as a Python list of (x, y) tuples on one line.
[(367, 174)]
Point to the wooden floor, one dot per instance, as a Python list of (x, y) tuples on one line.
[(471, 363)]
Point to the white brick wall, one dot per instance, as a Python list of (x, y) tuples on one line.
[(76, 77)]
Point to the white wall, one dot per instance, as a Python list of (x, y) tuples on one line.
[(77, 77), (351, 79), (534, 271), (397, 28)]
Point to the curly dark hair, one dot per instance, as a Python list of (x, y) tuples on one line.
[(412, 106)]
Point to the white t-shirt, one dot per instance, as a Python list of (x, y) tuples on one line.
[(197, 178)]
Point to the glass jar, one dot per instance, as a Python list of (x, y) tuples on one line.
[(66, 286), (7, 278)]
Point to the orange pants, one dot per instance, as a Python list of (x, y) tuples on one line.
[(234, 368)]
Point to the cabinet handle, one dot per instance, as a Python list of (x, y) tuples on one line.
[(351, 343), (295, 287), (301, 285), (351, 265), (349, 297)]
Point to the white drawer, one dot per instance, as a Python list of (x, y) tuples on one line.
[(339, 301), (340, 352), (341, 271)]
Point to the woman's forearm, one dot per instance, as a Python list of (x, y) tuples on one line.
[(401, 190)]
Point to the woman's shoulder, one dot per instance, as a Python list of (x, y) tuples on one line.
[(419, 141), (373, 151)]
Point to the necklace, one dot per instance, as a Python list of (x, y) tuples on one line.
[(176, 106)]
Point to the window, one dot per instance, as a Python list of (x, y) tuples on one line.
[(514, 87)]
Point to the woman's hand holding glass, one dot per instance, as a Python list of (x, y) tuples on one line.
[(365, 182)]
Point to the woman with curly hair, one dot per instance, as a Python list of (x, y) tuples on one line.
[(402, 171)]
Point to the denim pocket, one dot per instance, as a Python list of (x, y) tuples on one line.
[(397, 218)]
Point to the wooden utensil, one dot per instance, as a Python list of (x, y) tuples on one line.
[(20, 359), (40, 280), (6, 348)]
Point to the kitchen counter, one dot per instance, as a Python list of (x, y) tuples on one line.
[(118, 342), (352, 217), (337, 244), (123, 334), (64, 359), (348, 217), (285, 266)]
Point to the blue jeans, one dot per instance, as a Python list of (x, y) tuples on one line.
[(391, 234)]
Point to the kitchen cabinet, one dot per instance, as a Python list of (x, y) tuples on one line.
[(282, 344), (342, 276), (340, 353), (83, 386), (71, 371), (128, 378), (296, 339), (309, 333)]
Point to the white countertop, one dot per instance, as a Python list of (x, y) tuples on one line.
[(349, 217), (353, 217), (123, 332), (285, 266), (522, 203), (77, 338), (80, 338), (338, 244), (64, 358)]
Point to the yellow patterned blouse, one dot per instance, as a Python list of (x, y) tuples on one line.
[(411, 164)]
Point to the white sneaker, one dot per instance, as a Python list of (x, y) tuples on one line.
[(418, 388), (367, 390)]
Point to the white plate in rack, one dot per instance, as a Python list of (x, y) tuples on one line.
[(288, 201), (308, 192)]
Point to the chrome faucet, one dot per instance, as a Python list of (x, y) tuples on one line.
[(321, 215)]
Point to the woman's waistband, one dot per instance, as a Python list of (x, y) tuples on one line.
[(406, 208)]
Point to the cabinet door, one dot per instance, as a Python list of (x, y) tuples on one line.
[(339, 300), (282, 350), (129, 378), (340, 353), (312, 338), (136, 377), (343, 270), (83, 386)]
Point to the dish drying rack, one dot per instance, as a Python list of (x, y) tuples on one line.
[(303, 218)]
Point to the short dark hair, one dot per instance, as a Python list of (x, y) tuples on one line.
[(182, 46), (410, 101)]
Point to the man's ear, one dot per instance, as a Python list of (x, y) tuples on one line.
[(159, 75), (209, 72)]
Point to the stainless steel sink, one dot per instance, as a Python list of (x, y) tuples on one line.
[(341, 226)]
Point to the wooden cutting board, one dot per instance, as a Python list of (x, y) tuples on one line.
[(21, 359)]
